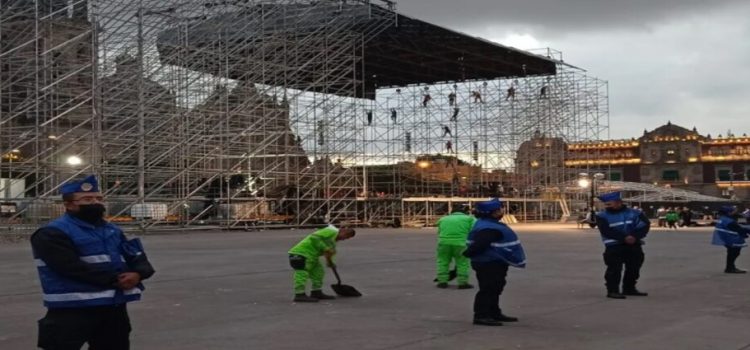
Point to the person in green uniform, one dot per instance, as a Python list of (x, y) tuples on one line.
[(452, 232), (672, 218), (305, 260)]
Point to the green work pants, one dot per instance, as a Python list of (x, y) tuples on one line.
[(447, 253), (313, 271)]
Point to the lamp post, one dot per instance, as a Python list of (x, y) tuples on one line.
[(423, 165), (584, 182), (74, 161), (590, 181), (11, 156)]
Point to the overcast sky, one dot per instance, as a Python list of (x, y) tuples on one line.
[(687, 61)]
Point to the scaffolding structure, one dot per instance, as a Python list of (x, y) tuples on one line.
[(494, 138), (253, 113), (190, 111)]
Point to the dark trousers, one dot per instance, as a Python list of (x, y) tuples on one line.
[(491, 280), (732, 254), (102, 327), (632, 257)]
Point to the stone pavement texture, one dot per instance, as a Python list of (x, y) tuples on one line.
[(232, 290)]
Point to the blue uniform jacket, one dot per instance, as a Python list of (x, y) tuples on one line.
[(729, 233), (615, 225), (103, 248), (507, 248)]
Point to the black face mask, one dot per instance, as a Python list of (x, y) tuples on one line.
[(91, 213)]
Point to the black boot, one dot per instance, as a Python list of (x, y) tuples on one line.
[(505, 318), (615, 295), (303, 298), (465, 286), (318, 294), (487, 322), (734, 270), (442, 285), (634, 292)]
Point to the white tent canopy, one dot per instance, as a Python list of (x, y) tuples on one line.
[(643, 192)]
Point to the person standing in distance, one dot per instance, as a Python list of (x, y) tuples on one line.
[(730, 234), (88, 271), (492, 247), (453, 230), (622, 231)]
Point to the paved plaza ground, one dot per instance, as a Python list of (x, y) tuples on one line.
[(232, 290)]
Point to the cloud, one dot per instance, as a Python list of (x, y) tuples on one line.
[(692, 72), (679, 61), (558, 16)]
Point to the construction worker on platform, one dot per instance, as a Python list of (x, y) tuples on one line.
[(492, 247), (511, 93), (454, 116), (477, 96), (453, 231), (447, 131), (305, 260), (622, 231), (426, 99), (730, 234)]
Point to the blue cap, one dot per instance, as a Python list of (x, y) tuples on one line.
[(726, 209), (609, 197), (89, 184), (489, 206)]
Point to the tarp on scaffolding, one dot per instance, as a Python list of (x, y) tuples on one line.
[(408, 51)]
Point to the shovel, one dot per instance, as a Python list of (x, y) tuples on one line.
[(343, 290)]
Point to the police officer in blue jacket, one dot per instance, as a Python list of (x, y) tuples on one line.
[(88, 271), (730, 234), (492, 246), (622, 230)]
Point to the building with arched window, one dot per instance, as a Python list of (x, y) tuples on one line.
[(672, 156)]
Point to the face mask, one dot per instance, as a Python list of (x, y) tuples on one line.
[(91, 213)]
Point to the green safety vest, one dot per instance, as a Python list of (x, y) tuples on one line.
[(454, 228), (317, 243)]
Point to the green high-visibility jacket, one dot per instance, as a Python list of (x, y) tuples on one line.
[(316, 244), (454, 228)]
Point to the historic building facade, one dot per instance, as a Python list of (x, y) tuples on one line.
[(671, 156)]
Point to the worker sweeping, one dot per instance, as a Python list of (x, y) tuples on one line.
[(305, 260), (452, 233)]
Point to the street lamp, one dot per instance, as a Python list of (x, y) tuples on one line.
[(74, 161), (587, 181), (14, 154), (423, 165), (584, 183)]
